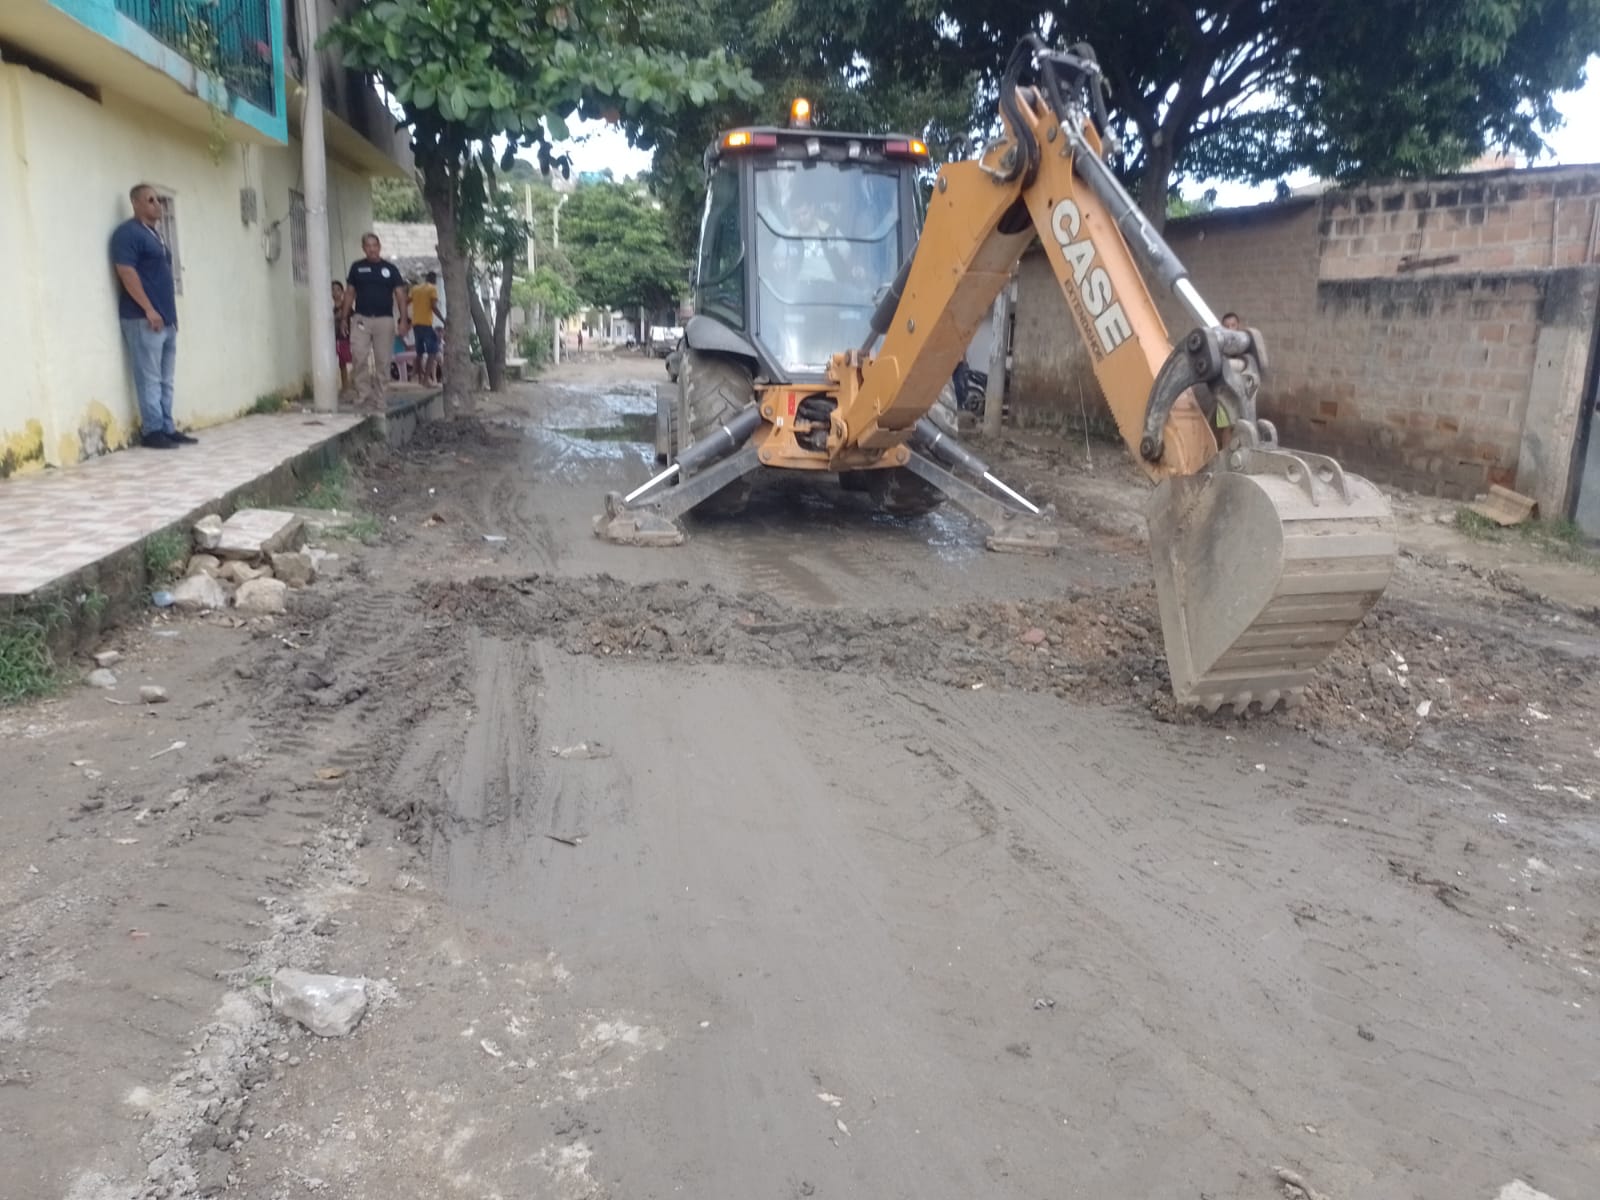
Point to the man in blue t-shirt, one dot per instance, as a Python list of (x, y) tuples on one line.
[(148, 306)]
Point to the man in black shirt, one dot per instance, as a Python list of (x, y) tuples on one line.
[(376, 292)]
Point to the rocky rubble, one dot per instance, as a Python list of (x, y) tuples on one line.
[(249, 562)]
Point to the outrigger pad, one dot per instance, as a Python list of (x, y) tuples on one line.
[(635, 526), (1023, 536)]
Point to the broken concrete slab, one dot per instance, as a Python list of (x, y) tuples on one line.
[(1503, 506), (255, 532)]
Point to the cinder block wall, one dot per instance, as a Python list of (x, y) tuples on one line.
[(1431, 334)]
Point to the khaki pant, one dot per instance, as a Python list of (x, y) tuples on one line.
[(371, 337)]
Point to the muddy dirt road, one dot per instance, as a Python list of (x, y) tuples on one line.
[(826, 855)]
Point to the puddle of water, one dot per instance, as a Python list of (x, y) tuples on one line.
[(633, 427)]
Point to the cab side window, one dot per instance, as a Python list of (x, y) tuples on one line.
[(720, 282)]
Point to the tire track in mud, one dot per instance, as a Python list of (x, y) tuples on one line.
[(1273, 952)]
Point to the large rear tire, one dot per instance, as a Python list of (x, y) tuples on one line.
[(713, 389)]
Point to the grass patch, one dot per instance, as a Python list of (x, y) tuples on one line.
[(268, 402), (164, 555), (27, 668), (364, 528), (1477, 526), (1560, 539), (329, 489)]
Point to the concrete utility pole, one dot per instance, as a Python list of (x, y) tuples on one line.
[(319, 262), (555, 244), (527, 213)]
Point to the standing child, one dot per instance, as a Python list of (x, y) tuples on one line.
[(341, 334)]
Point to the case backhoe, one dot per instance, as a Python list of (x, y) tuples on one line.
[(827, 328)]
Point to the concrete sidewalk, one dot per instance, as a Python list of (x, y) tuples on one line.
[(81, 529), (55, 524)]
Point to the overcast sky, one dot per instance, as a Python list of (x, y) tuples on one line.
[(1578, 141)]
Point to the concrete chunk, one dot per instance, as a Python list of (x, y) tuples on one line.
[(237, 571), (198, 593), (327, 1005), (254, 532), (207, 530), (295, 567), (262, 597)]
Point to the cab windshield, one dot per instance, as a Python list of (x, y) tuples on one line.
[(827, 239)]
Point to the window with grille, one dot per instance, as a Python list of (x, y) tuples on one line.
[(169, 235), (297, 237)]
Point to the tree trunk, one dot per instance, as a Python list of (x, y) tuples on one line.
[(1156, 179), (480, 322), (438, 188), (502, 323)]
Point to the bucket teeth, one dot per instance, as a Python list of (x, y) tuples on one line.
[(1212, 703)]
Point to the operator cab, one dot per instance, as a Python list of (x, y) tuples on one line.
[(802, 229)]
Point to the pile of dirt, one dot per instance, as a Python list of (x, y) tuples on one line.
[(1395, 671), (454, 434)]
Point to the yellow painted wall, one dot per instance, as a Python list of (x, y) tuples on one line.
[(66, 164)]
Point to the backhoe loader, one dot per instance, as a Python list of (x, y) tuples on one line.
[(831, 311)]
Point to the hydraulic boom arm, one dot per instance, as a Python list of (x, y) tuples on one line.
[(1045, 176), (1264, 558)]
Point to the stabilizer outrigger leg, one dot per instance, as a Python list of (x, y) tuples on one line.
[(648, 515), (1023, 529)]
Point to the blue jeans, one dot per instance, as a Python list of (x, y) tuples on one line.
[(155, 355)]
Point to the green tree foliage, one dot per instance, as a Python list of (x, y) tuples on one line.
[(550, 291), (468, 71), (397, 200), (496, 240), (839, 54), (622, 249), (1249, 90)]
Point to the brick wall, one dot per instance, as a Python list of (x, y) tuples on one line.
[(1424, 333)]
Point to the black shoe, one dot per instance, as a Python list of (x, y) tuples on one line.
[(183, 438), (157, 441)]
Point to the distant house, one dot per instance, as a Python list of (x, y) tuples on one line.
[(97, 95)]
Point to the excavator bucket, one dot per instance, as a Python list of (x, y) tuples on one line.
[(1261, 571)]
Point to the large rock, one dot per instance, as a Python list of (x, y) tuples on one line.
[(255, 532), (262, 597), (294, 567), (204, 564), (207, 531), (101, 678), (237, 571), (328, 1005), (198, 593)]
